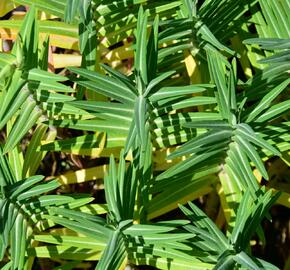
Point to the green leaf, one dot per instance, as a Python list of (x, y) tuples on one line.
[(253, 155), (267, 265), (177, 91), (9, 100), (152, 50), (186, 103), (188, 163), (274, 112), (103, 107), (39, 189), (245, 260), (277, 58), (86, 227), (144, 230), (120, 77), (266, 100), (7, 266), (54, 7), (141, 46), (173, 192), (114, 127), (179, 119), (28, 116), (269, 43), (46, 96), (247, 132), (114, 254), (75, 241), (240, 161), (14, 107), (33, 157), (165, 263), (18, 248), (225, 262), (28, 38), (157, 239), (197, 144), (200, 219), (140, 118), (111, 190), (49, 200), (65, 252), (208, 36), (88, 41), (23, 185), (217, 67), (79, 216), (208, 124), (88, 141), (44, 54), (71, 8), (249, 216), (242, 215), (104, 85), (153, 83), (122, 182), (36, 74)]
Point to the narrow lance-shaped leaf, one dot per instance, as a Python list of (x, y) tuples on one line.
[(39, 189), (267, 99), (140, 118), (29, 114), (114, 254), (18, 248), (253, 155), (245, 260), (196, 145), (247, 132), (7, 98), (152, 50), (71, 8), (104, 85), (274, 112), (156, 81), (23, 185), (111, 190), (33, 156), (141, 47), (217, 71)]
